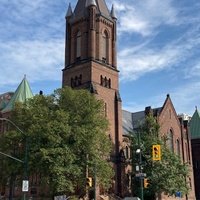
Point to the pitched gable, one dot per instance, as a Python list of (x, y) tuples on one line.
[(168, 112), (22, 93)]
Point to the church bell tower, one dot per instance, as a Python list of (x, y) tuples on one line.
[(90, 63)]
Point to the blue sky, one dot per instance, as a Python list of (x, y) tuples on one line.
[(158, 49)]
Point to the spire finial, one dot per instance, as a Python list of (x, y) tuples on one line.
[(69, 11), (112, 13), (196, 107)]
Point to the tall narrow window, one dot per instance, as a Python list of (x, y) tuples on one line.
[(127, 152), (78, 45), (178, 147), (101, 80), (170, 142), (187, 152), (104, 49), (105, 109)]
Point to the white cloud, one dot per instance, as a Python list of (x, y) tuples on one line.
[(135, 64), (136, 61), (184, 99), (145, 16), (41, 60), (193, 71)]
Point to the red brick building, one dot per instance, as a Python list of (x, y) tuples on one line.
[(90, 63), (172, 126)]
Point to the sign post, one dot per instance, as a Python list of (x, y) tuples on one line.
[(25, 185)]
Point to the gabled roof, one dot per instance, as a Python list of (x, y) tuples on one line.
[(195, 125), (81, 9), (22, 93), (133, 121), (168, 102)]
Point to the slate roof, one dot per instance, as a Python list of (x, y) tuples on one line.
[(132, 121), (195, 125), (127, 122), (80, 10), (22, 93)]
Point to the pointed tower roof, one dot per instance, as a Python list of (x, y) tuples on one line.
[(195, 125), (22, 93), (91, 3), (113, 13), (69, 11), (81, 8)]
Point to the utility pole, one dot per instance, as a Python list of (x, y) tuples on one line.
[(87, 173), (141, 178), (25, 182), (95, 181)]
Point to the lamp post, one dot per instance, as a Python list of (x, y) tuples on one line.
[(25, 181), (139, 168)]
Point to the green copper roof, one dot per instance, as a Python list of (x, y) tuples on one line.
[(22, 93), (3, 104), (195, 125)]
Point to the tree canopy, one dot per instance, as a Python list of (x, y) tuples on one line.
[(66, 137), (167, 175)]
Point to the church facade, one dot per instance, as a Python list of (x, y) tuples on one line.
[(91, 63)]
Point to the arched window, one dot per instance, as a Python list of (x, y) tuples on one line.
[(105, 109), (178, 147), (109, 83), (127, 152), (190, 183), (78, 45), (80, 79), (105, 82), (170, 140), (104, 49), (76, 81), (72, 82), (187, 152), (101, 80)]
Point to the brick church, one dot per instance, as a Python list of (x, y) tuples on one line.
[(91, 63)]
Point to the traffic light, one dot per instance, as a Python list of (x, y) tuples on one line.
[(146, 183), (89, 181), (156, 152)]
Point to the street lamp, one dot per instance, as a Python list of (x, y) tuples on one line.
[(139, 167), (25, 182)]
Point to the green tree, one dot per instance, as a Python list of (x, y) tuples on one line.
[(66, 134), (169, 174)]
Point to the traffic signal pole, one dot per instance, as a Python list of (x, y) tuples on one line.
[(141, 178)]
